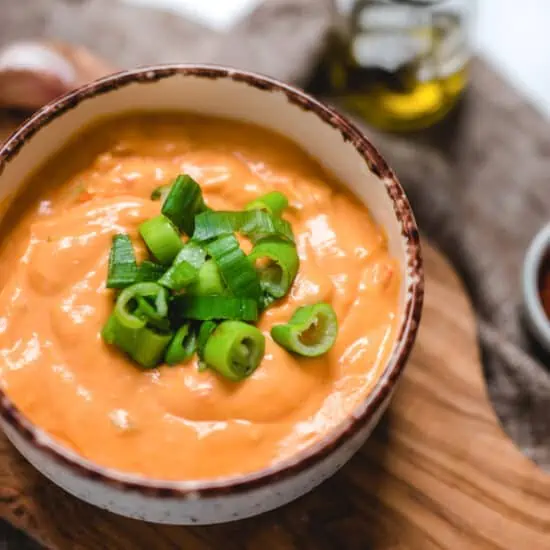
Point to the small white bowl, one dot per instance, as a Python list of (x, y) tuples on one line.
[(536, 318)]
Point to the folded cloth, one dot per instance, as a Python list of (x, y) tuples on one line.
[(478, 183)]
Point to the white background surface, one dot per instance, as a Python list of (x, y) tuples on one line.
[(513, 35)]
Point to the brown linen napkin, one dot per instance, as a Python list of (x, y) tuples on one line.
[(478, 183)]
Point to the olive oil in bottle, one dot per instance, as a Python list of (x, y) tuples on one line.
[(401, 64)]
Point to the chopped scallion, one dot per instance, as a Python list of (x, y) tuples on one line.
[(144, 345), (138, 325), (182, 346), (122, 270), (273, 203), (183, 203), (108, 333), (209, 281), (192, 253), (200, 296), (206, 329), (234, 349), (205, 308), (154, 314), (236, 269), (149, 272), (255, 224), (179, 276), (279, 267), (311, 331), (150, 347), (162, 238)]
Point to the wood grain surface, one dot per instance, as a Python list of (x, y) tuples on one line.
[(437, 473)]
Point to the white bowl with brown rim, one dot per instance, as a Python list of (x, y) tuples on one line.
[(343, 150)]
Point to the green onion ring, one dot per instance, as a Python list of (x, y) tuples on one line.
[(234, 349), (182, 346), (162, 238), (311, 331), (277, 276), (273, 203)]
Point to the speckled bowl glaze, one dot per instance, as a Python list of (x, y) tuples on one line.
[(343, 150)]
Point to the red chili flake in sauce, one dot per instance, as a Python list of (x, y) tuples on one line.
[(544, 285), (84, 196)]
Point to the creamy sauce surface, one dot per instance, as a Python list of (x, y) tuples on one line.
[(176, 422)]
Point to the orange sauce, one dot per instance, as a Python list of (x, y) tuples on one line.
[(176, 422)]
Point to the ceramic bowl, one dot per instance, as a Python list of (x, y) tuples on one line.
[(343, 150), (535, 316)]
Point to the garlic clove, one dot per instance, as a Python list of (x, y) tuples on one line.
[(34, 73)]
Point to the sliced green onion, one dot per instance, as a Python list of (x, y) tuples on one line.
[(161, 303), (185, 268), (179, 276), (133, 312), (160, 193), (277, 275), (182, 346), (192, 253), (108, 332), (234, 349), (183, 203), (124, 336), (154, 315), (124, 309), (145, 346), (255, 224), (208, 282), (205, 308), (150, 347), (236, 269), (258, 224), (191, 257), (127, 304), (122, 269), (210, 224), (206, 329), (161, 238), (311, 331), (224, 288), (273, 203), (149, 272)]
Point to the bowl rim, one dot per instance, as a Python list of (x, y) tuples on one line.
[(358, 417), (534, 310)]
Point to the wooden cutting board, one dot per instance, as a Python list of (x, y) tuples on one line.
[(438, 473)]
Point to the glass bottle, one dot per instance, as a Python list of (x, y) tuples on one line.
[(401, 64)]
